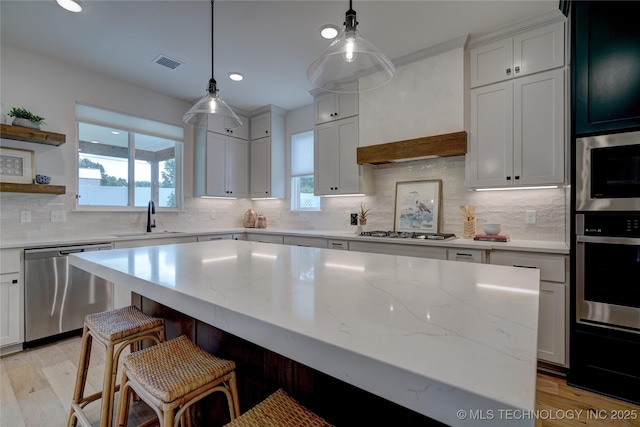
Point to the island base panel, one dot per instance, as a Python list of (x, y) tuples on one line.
[(260, 372)]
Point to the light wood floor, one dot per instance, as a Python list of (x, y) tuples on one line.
[(36, 388)]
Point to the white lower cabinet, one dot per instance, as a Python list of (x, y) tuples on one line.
[(553, 310), (265, 238), (467, 255), (122, 296), (396, 249), (341, 245), (311, 242), (11, 300), (211, 237)]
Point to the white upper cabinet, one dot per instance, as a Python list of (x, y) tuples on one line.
[(268, 169), (525, 53), (261, 126), (336, 171), (221, 125), (222, 167), (517, 132), (335, 106)]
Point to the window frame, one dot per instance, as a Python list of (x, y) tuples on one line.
[(294, 204), (179, 166)]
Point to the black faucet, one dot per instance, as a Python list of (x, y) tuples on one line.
[(151, 209)]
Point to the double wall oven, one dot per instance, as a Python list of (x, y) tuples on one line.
[(605, 338), (608, 231)]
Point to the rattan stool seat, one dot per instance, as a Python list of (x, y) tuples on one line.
[(279, 410), (119, 323), (172, 376), (115, 330), (175, 368)]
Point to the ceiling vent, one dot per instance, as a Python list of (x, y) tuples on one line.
[(165, 61)]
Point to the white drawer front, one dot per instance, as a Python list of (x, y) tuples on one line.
[(552, 267), (312, 242)]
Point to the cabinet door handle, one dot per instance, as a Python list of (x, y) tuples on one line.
[(463, 254), (331, 115), (517, 177), (266, 131), (266, 192), (508, 70), (508, 178), (335, 114), (517, 69)]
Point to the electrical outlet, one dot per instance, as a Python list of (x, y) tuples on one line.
[(354, 218), (531, 217), (25, 216), (213, 215), (58, 216)]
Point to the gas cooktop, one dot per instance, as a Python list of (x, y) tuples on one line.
[(409, 235)]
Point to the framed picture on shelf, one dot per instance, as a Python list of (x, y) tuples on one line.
[(418, 206), (16, 165)]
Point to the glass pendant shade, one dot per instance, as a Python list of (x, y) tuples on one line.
[(351, 63), (211, 103)]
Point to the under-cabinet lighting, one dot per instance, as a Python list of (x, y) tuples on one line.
[(506, 288), (218, 197), (343, 195), (264, 198), (542, 187)]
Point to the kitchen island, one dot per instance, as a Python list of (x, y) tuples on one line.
[(454, 342)]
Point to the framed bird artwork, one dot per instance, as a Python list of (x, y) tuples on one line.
[(418, 206)]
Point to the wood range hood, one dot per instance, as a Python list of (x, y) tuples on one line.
[(445, 145)]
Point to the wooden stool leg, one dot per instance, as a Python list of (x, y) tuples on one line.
[(123, 402), (106, 414), (81, 376), (233, 386)]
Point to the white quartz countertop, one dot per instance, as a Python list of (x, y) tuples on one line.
[(513, 245), (437, 337)]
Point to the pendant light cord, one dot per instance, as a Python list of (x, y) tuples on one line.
[(213, 85)]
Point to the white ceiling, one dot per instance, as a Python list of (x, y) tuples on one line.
[(271, 42)]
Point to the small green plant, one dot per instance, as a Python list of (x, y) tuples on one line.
[(23, 113), (363, 212)]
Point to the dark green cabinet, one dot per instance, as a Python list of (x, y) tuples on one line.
[(607, 66)]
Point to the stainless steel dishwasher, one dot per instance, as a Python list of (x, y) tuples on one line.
[(59, 296)]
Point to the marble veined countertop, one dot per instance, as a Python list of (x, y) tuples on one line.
[(442, 338)]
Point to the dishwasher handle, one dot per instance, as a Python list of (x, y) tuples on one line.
[(63, 251), (71, 251)]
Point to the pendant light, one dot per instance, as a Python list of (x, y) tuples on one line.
[(351, 63), (211, 103)]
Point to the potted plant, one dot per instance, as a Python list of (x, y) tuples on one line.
[(363, 214), (25, 118)]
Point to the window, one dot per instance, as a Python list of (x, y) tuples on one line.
[(126, 161), (302, 198)]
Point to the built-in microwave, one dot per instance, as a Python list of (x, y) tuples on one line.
[(608, 172)]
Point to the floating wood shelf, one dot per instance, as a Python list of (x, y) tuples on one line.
[(9, 187), (445, 145), (32, 135)]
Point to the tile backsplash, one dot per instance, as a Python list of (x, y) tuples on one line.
[(505, 207)]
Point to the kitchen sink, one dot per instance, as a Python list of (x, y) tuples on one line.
[(144, 233)]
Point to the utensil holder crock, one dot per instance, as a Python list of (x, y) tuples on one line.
[(469, 229)]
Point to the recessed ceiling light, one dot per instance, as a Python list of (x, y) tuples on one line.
[(115, 133), (94, 142), (236, 77), (329, 31), (70, 5)]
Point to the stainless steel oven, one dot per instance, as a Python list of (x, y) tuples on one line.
[(608, 172), (608, 270)]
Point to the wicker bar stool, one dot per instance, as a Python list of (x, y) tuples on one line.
[(172, 376), (279, 410), (115, 330)]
